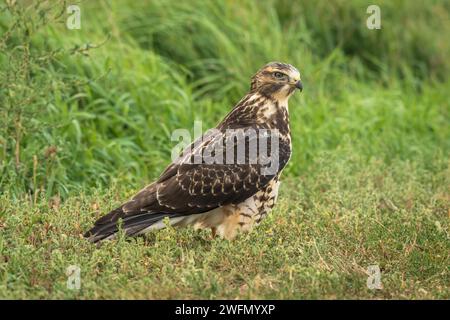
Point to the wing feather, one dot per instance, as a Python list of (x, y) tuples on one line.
[(186, 188)]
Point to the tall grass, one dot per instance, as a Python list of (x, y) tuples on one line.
[(86, 108), (86, 118)]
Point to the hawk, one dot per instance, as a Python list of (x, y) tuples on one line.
[(228, 179)]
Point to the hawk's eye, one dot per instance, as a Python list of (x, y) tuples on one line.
[(279, 75)]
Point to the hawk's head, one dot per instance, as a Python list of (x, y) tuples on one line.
[(277, 80)]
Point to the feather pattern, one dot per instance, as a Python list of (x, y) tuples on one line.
[(193, 190)]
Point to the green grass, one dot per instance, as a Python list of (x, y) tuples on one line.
[(329, 226), (86, 117)]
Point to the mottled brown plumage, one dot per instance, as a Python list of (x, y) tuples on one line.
[(227, 196)]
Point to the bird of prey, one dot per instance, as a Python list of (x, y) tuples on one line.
[(233, 189)]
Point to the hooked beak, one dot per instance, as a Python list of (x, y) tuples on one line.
[(299, 85)]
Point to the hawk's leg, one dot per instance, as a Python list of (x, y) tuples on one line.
[(213, 232)]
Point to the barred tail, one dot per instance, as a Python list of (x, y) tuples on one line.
[(107, 226)]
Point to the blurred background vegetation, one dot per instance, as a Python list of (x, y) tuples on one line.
[(96, 106), (86, 118)]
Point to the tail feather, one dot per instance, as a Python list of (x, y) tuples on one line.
[(108, 226)]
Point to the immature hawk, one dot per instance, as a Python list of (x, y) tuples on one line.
[(228, 179)]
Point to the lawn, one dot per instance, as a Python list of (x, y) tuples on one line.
[(86, 118)]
